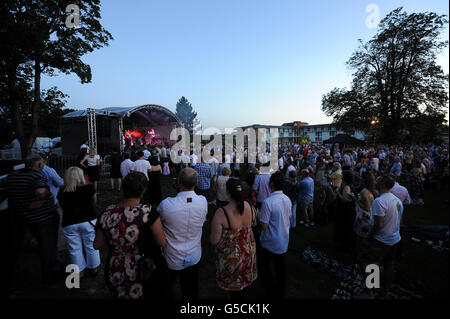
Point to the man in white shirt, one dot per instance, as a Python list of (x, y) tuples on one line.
[(281, 163), (146, 154), (275, 222), (141, 165), (85, 145), (402, 193), (126, 165), (384, 243), (261, 188), (182, 218)]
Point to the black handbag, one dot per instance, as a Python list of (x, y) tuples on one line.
[(146, 266)]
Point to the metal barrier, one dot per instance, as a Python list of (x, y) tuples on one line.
[(61, 163)]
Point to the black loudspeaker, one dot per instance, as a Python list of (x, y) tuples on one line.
[(104, 127)]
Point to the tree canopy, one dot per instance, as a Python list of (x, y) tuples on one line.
[(396, 79), (37, 41), (186, 113)]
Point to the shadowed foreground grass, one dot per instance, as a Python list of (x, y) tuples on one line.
[(420, 263)]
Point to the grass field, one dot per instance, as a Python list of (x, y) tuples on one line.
[(420, 263)]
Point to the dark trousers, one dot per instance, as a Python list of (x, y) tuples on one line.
[(12, 241), (274, 282), (46, 233), (188, 281)]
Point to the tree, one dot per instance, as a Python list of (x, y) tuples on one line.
[(37, 41), (52, 109), (186, 113), (396, 77)]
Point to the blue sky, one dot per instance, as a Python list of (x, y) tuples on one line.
[(238, 62)]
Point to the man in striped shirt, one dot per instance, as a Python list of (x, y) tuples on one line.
[(30, 197)]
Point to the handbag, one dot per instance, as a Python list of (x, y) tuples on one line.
[(146, 266)]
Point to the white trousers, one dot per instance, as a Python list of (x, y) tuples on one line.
[(77, 236)]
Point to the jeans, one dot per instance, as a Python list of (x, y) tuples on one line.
[(274, 285), (78, 235), (46, 233)]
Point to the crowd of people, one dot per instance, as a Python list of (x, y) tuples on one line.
[(362, 190)]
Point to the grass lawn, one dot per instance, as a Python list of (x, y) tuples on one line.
[(420, 263)]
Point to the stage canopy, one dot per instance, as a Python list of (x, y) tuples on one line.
[(118, 127), (149, 112), (344, 139)]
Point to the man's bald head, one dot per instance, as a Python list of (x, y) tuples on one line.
[(188, 178)]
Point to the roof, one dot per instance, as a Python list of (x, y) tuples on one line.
[(123, 111)]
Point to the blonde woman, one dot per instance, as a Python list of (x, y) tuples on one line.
[(92, 163), (336, 175), (76, 199)]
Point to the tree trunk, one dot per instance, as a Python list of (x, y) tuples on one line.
[(14, 102), (27, 141)]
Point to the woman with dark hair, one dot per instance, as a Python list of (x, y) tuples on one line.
[(121, 228), (115, 161), (416, 184), (234, 241), (345, 213), (364, 220), (153, 195)]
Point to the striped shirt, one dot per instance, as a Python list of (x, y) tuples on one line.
[(21, 188)]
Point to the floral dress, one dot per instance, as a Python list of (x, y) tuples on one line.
[(122, 227), (236, 259)]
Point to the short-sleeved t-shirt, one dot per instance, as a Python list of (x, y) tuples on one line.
[(306, 190), (141, 166), (391, 207), (21, 187), (276, 212), (92, 161)]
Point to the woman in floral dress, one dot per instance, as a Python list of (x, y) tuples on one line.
[(120, 228), (235, 247)]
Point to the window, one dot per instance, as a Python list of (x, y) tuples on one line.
[(319, 137)]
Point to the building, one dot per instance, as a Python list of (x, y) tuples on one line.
[(296, 132)]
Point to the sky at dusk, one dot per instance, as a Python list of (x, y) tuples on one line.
[(238, 62)]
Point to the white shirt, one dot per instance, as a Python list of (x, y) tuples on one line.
[(85, 146), (182, 218), (141, 166), (402, 193), (290, 168), (389, 206), (276, 212), (222, 194), (92, 161), (281, 163), (261, 185), (214, 163), (146, 154), (126, 167)]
